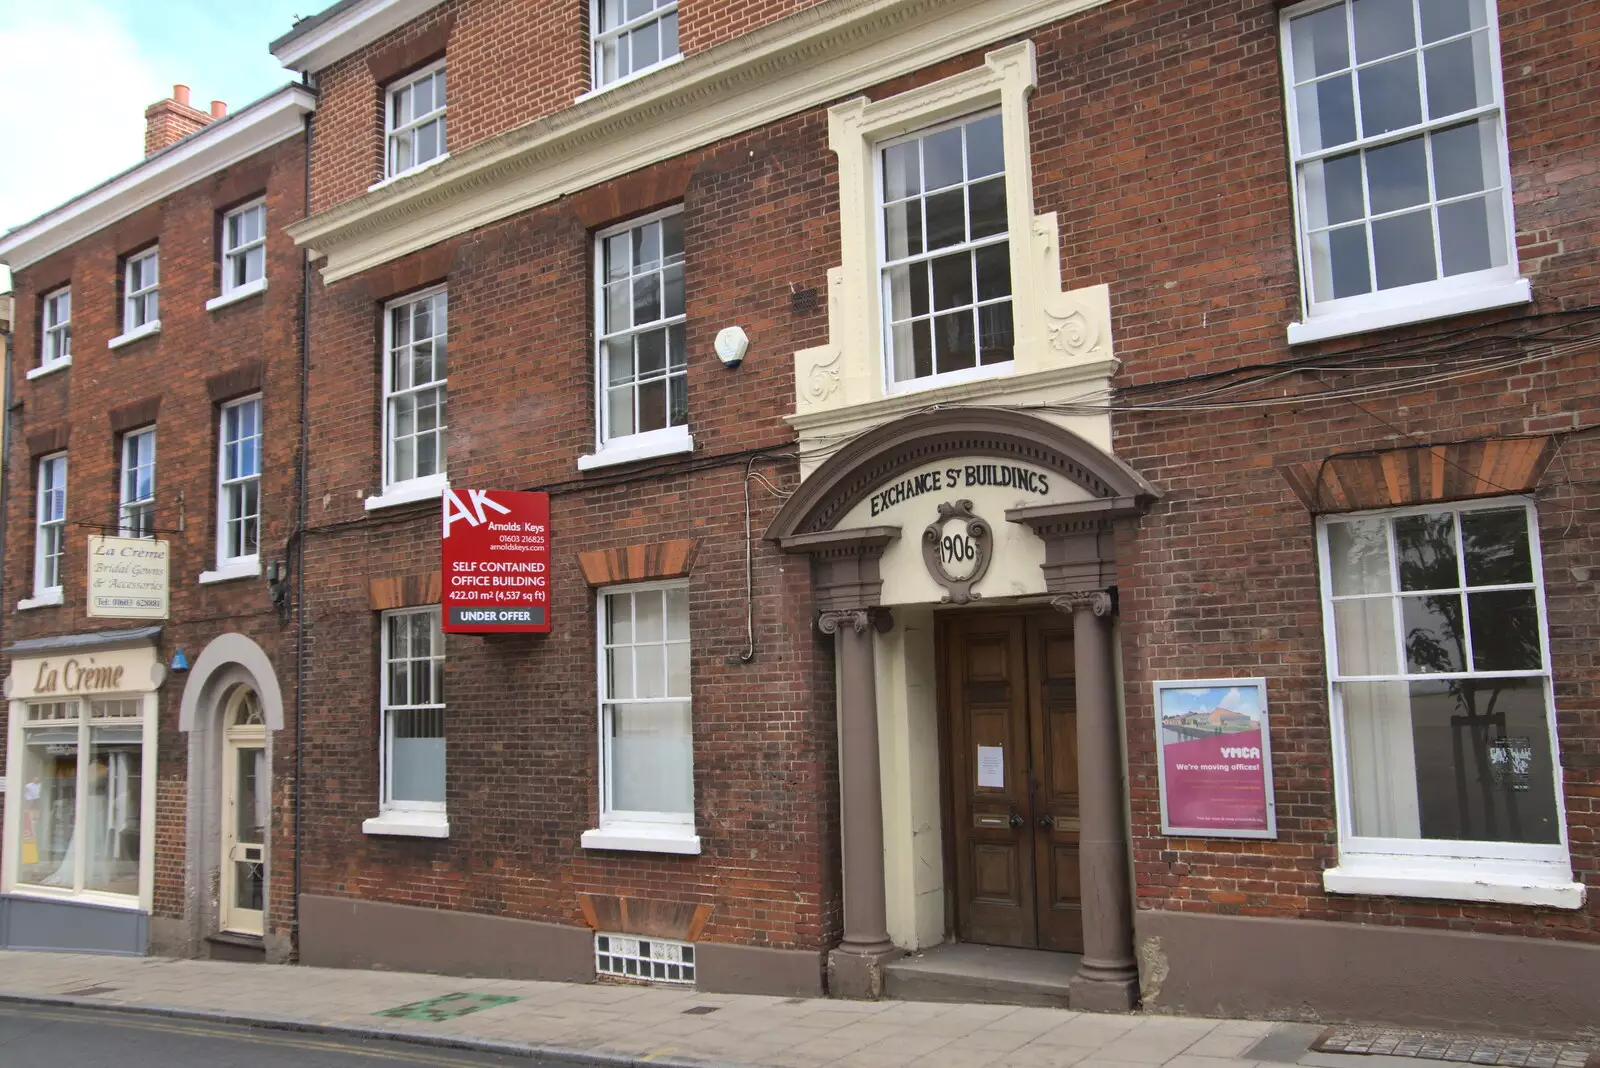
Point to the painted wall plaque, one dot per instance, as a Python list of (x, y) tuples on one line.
[(128, 578), (1215, 758), (956, 547)]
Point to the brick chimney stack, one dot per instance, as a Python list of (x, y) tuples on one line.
[(173, 119)]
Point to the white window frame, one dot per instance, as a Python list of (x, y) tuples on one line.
[(598, 39), (231, 290), (419, 487), (52, 476), (618, 829), (1494, 287), (413, 819), (241, 565), (392, 134), (665, 441), (1510, 872), (141, 301), (10, 859), (55, 333), (882, 264), (128, 507)]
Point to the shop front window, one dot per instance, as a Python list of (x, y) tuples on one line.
[(82, 796)]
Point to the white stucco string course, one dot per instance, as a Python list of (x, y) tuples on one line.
[(632, 1024)]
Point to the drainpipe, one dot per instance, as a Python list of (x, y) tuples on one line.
[(5, 443), (300, 540)]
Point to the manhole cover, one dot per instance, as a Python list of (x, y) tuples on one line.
[(700, 1010), (447, 1007), (1455, 1047)]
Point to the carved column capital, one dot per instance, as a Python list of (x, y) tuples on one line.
[(858, 619), (1097, 601)]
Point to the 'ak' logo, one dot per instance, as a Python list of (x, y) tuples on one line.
[(472, 511)]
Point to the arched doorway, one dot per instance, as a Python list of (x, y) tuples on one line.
[(964, 561), (246, 810)]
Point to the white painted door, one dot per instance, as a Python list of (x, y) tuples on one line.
[(246, 803)]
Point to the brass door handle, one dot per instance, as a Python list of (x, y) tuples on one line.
[(1047, 822), (1016, 820)]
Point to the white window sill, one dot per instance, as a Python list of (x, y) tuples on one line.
[(644, 838), (640, 447), (952, 378), (408, 825), (152, 327), (1450, 879), (635, 76), (418, 169), (233, 296), (50, 368), (1496, 295), (249, 567), (431, 487), (45, 599)]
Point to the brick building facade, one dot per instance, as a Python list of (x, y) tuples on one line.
[(156, 401), (949, 412), (1169, 414)]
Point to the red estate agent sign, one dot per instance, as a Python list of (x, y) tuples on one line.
[(495, 562)]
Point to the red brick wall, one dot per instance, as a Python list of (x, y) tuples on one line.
[(193, 344), (510, 62), (521, 722), (1159, 138)]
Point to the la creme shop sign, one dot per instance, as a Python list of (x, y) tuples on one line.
[(495, 562), (85, 674)]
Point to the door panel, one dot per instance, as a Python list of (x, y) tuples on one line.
[(1009, 693), (987, 688), (1054, 710)]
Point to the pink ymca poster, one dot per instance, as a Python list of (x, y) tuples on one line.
[(1215, 758)]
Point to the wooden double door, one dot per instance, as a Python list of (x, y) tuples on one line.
[(1011, 724)]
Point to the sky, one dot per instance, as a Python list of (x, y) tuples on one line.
[(83, 71)]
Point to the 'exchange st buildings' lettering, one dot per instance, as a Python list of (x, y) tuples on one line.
[(952, 478)]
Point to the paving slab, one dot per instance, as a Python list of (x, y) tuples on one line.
[(612, 1025)]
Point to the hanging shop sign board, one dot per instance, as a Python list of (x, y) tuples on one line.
[(1215, 758), (128, 578), (495, 562)]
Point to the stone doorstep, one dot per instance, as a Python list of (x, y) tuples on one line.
[(993, 975)]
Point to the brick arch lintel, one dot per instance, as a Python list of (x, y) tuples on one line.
[(1420, 474)]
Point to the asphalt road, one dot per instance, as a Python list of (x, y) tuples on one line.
[(41, 1035)]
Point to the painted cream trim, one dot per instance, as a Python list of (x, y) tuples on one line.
[(1063, 338), (344, 33), (797, 63)]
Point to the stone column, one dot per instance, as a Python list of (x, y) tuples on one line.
[(1108, 978), (855, 967)]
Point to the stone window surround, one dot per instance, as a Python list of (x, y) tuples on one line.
[(1054, 331)]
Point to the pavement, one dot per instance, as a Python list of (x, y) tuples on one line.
[(117, 1010), (613, 1025)]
